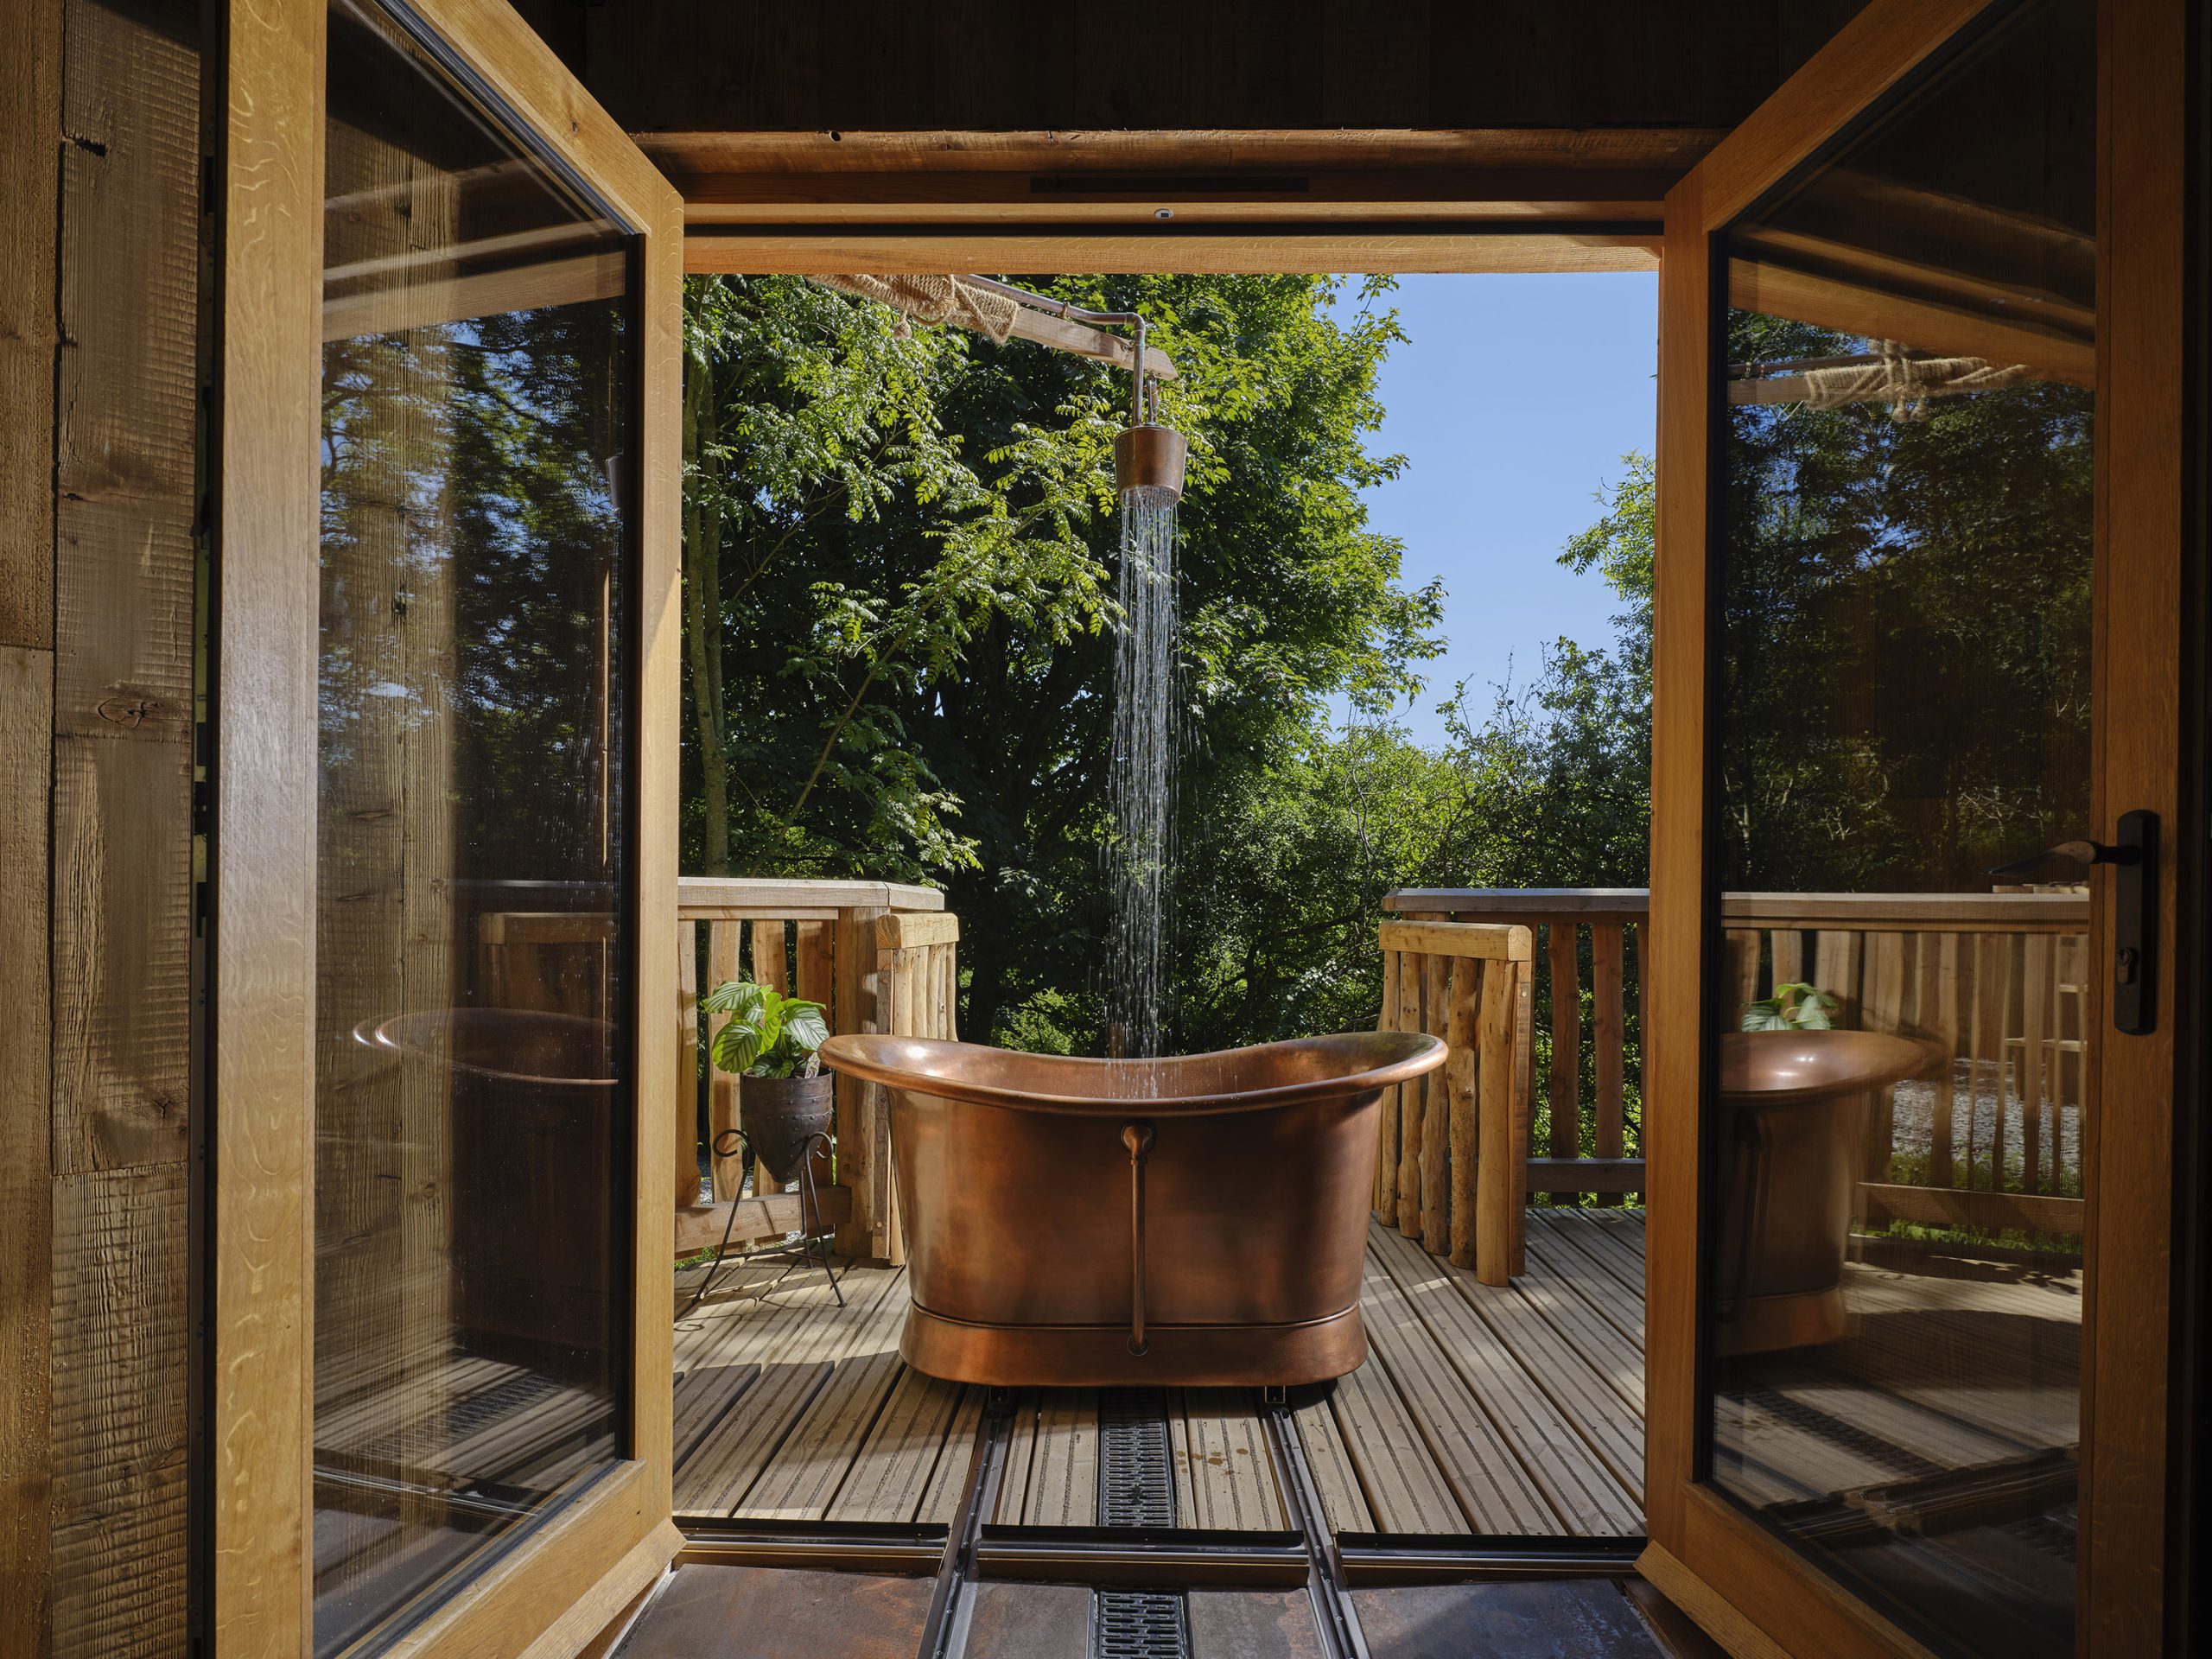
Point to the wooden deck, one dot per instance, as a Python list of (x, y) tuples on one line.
[(1480, 1410)]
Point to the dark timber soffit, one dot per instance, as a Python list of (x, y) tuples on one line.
[(1231, 180)]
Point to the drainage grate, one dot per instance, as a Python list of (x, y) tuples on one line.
[(1138, 1624), (1136, 1488), (1136, 1467)]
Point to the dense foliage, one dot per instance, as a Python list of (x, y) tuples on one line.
[(899, 578), (899, 587)]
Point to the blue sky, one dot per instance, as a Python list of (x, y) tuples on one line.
[(1513, 401)]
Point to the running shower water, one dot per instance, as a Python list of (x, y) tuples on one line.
[(1141, 778)]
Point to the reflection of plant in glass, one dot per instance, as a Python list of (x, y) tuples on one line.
[(768, 1033), (1794, 1006)]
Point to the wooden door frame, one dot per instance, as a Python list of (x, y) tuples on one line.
[(1748, 1589), (570, 1573)]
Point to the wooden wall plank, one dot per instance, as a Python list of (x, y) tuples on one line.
[(122, 498), (118, 1426), (123, 588), (26, 1202), (31, 140)]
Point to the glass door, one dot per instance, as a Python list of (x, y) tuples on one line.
[(450, 361), (1924, 887), (1903, 552)]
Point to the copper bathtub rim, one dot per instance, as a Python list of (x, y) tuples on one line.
[(857, 1056), (1236, 1327)]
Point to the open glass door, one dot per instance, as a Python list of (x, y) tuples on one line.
[(1911, 778), (444, 838)]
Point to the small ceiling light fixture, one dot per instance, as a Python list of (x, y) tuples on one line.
[(1163, 212)]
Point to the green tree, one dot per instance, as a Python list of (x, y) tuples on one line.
[(900, 547)]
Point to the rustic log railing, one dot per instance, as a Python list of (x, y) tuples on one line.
[(1451, 1163), (1996, 979), (880, 957)]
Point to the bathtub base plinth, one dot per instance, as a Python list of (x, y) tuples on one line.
[(1176, 1355)]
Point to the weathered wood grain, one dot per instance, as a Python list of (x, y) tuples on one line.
[(26, 1168), (31, 35)]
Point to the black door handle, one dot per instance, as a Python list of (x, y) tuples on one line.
[(2134, 859), (2135, 925), (2081, 852)]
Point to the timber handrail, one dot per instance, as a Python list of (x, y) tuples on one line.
[(1997, 977), (880, 957)]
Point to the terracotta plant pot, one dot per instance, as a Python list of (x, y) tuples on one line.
[(781, 1116)]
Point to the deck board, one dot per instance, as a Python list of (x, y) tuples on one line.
[(894, 1466), (1478, 1319), (1330, 1460), (1494, 1489), (790, 1406), (797, 1346), (1403, 1488), (802, 1480), (1224, 1475), (1063, 1489)]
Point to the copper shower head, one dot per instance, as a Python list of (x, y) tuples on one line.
[(1149, 457)]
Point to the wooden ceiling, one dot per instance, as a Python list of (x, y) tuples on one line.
[(793, 120)]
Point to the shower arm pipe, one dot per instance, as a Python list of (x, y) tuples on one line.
[(1069, 312)]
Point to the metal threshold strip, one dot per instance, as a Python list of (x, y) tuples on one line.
[(1138, 1570), (1334, 1617)]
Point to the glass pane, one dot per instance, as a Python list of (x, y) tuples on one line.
[(1905, 610), (478, 395)]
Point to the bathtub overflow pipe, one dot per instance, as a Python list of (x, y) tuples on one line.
[(1137, 1137)]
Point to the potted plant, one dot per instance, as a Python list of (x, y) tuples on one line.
[(771, 1044), (1794, 1006)]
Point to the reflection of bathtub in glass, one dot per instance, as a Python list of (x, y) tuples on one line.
[(531, 1195), (1793, 1122), (1192, 1221)]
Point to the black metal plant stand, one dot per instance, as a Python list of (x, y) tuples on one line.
[(814, 1234)]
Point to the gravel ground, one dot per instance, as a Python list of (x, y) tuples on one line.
[(1975, 1123)]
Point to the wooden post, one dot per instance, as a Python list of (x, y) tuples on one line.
[(860, 1155), (1882, 1008), (1386, 1155), (1607, 1033), (818, 982), (1411, 1099), (723, 938), (686, 1105), (1467, 975), (2035, 1026), (1938, 1016), (1836, 954), (1524, 1056), (1742, 945), (1992, 981), (772, 970), (1566, 1140), (1436, 1121), (1494, 1128)]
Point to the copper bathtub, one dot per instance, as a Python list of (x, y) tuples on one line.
[(1196, 1221)]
